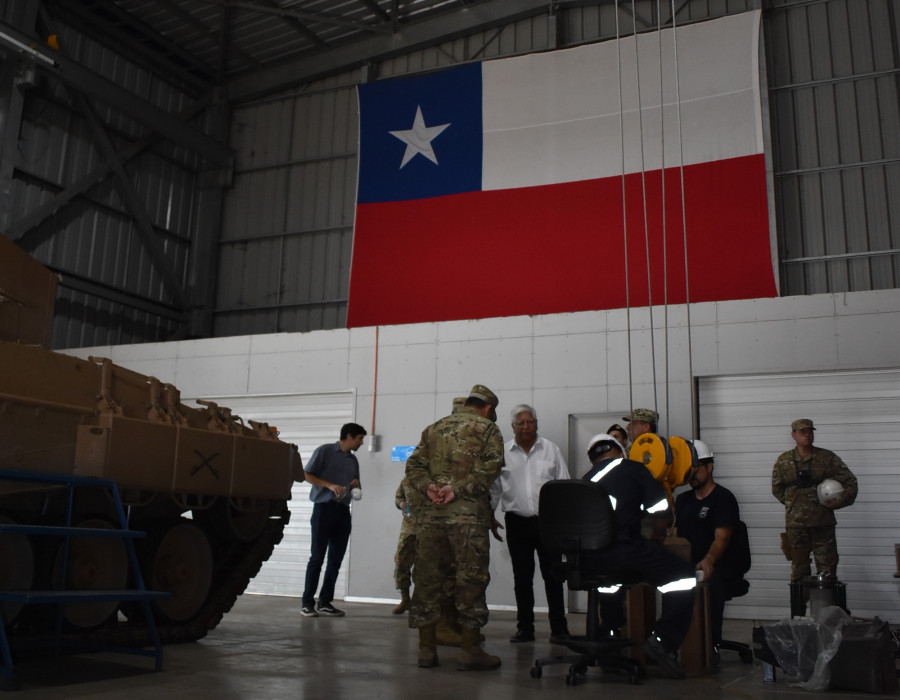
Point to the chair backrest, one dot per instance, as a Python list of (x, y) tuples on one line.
[(736, 561), (738, 551), (575, 516)]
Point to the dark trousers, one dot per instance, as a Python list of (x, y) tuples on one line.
[(651, 562), (523, 540), (717, 598), (330, 523)]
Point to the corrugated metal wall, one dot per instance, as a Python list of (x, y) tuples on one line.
[(833, 72), (287, 234), (94, 241)]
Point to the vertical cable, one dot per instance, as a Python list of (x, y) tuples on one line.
[(624, 210), (637, 65), (687, 288), (662, 176)]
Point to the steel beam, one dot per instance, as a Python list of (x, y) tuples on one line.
[(129, 195), (90, 83), (92, 288), (428, 32), (19, 228)]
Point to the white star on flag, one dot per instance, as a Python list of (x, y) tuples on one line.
[(418, 139)]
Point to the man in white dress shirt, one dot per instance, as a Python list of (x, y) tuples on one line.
[(531, 461)]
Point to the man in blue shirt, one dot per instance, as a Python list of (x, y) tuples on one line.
[(333, 472)]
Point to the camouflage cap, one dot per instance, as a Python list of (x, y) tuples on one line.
[(646, 415), (480, 391), (801, 423), (458, 403)]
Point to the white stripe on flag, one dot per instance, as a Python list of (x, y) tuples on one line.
[(554, 117)]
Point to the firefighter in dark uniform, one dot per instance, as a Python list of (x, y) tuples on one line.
[(634, 492)]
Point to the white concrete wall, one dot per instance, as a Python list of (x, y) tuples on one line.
[(562, 364)]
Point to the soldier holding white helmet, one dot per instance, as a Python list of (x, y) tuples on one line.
[(809, 523)]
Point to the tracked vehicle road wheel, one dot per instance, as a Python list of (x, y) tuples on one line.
[(236, 519), (94, 563), (16, 569), (181, 562)]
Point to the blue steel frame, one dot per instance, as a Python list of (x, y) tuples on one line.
[(139, 593)]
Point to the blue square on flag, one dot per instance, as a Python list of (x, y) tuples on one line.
[(420, 137)]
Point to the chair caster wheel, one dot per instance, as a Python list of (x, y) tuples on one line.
[(537, 672), (574, 671)]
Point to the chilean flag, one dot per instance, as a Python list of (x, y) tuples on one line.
[(507, 187)]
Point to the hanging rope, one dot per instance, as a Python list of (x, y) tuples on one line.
[(662, 175), (687, 290), (624, 210), (637, 65)]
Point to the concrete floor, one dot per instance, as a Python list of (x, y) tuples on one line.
[(264, 648)]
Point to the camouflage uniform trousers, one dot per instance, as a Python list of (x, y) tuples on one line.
[(457, 554), (405, 560), (819, 541), (405, 556)]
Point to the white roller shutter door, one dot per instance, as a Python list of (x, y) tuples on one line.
[(307, 420), (746, 420)]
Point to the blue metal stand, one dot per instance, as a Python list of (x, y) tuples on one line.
[(138, 594)]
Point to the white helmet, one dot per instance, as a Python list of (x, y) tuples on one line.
[(828, 489), (703, 451), (604, 437)]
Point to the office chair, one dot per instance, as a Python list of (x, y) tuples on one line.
[(737, 586), (575, 517)]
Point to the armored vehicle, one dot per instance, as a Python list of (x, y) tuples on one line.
[(209, 491)]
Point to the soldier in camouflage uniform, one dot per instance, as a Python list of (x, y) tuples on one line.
[(640, 421), (409, 502), (454, 465), (810, 524)]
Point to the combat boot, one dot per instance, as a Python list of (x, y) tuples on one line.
[(428, 646), (449, 631), (403, 605), (448, 635), (471, 656)]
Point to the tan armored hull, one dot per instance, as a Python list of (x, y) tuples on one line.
[(209, 490)]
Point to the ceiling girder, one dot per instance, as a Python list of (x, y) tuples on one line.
[(274, 9), (416, 35), (86, 81), (124, 31), (297, 25), (213, 36)]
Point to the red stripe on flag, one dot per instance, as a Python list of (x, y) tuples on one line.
[(559, 248)]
